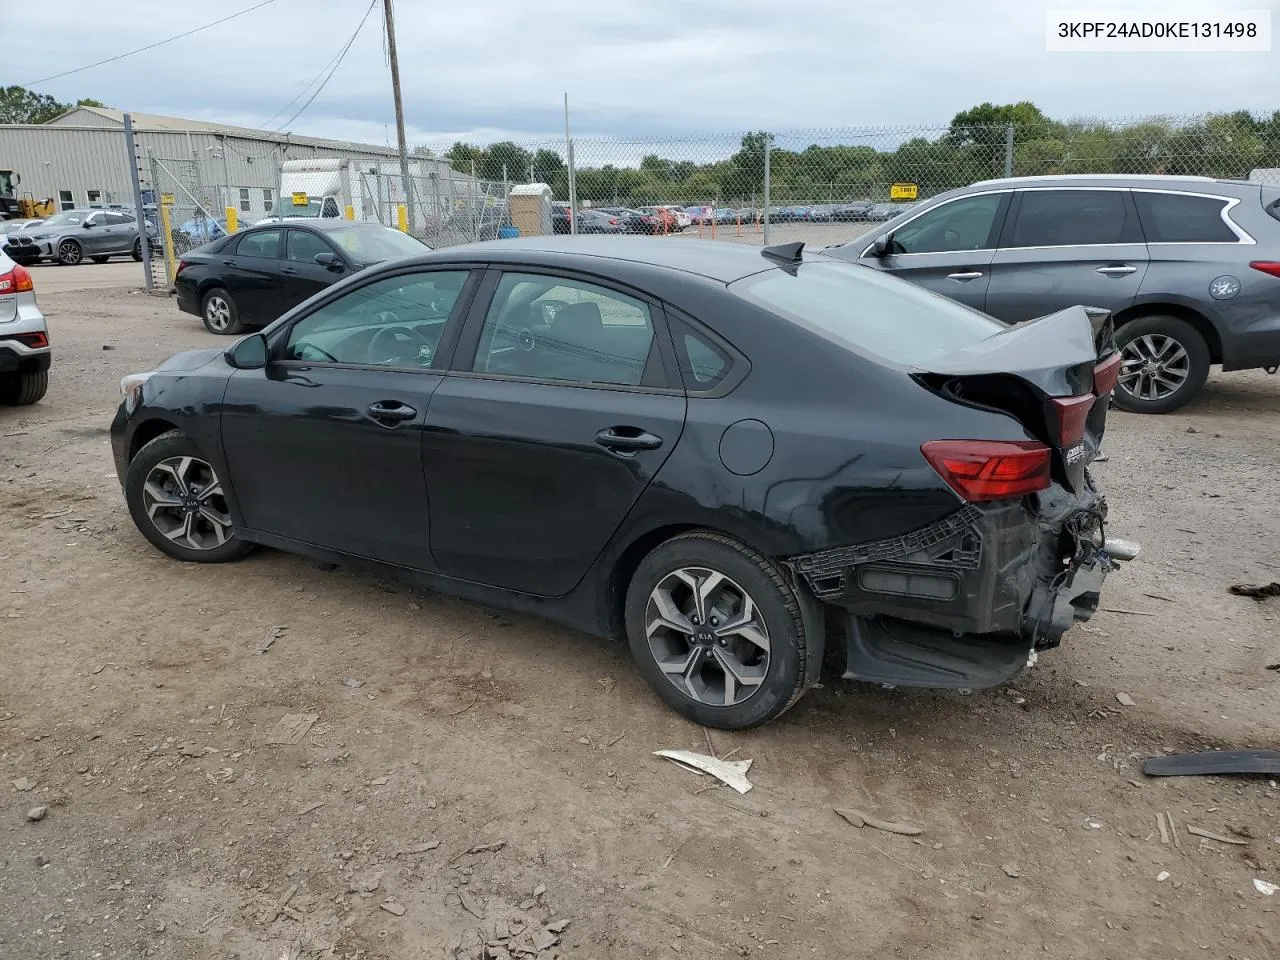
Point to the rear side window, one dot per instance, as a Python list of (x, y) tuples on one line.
[(262, 243), (868, 312), (704, 364), (1067, 218), (1182, 218)]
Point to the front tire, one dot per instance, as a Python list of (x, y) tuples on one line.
[(1164, 363), (23, 389), (178, 503), (70, 253), (220, 313), (717, 632)]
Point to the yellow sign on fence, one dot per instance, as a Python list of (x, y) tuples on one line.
[(166, 199), (903, 191), (300, 198)]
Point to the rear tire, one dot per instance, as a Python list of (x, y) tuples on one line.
[(22, 389), (738, 663), (1165, 362), (164, 477), (221, 317), (136, 252)]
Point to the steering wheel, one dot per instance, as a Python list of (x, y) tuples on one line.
[(385, 345)]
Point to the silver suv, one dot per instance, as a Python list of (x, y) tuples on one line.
[(1189, 266), (24, 337), (73, 236)]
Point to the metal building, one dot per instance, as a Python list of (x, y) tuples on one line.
[(80, 160)]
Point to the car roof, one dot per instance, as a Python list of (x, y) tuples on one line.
[(723, 262), (324, 224), (1110, 180)]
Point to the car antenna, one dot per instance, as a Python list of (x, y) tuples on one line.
[(785, 252)]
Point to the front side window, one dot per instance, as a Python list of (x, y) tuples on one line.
[(964, 224), (260, 243), (868, 312), (302, 247), (1067, 218), (395, 322), (118, 219), (551, 328), (1181, 218)]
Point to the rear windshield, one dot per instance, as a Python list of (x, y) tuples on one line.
[(1271, 201), (867, 311)]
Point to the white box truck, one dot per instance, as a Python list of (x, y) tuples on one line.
[(326, 187)]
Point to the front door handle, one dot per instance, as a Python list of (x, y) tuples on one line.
[(965, 275), (228, 263), (391, 410), (288, 271), (1117, 271), (627, 439)]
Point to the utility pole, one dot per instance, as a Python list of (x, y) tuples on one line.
[(395, 89)]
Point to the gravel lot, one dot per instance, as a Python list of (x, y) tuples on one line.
[(135, 698)]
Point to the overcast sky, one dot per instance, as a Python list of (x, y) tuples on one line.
[(489, 69)]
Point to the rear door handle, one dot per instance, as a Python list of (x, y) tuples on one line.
[(965, 275), (627, 439), (1118, 270), (391, 410), (288, 270)]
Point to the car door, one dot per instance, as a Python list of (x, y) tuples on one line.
[(252, 274), (324, 445), (95, 235), (948, 248), (1064, 246), (555, 417), (304, 278), (122, 231)]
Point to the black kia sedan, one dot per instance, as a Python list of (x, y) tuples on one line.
[(702, 448), (252, 277)]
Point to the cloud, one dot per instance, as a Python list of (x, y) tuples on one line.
[(634, 69)]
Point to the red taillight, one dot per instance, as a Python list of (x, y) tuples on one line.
[(36, 341), (1106, 374), (17, 280), (1267, 266), (182, 265), (1072, 413), (990, 469), (614, 221)]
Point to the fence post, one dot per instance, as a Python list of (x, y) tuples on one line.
[(143, 238), (1008, 150), (768, 142), (573, 182)]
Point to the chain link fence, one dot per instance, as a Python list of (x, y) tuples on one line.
[(827, 186)]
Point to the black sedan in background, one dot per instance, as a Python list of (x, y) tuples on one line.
[(254, 276), (701, 447)]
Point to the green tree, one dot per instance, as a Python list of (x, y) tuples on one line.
[(90, 102), (504, 159), (20, 105), (462, 155)]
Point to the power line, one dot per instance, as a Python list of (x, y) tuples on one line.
[(303, 92), (150, 46), (341, 54)]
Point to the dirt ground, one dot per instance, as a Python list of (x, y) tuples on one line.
[(135, 696)]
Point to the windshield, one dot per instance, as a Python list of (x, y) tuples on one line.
[(68, 217), (867, 311), (6, 182), (13, 226), (370, 243), (285, 207)]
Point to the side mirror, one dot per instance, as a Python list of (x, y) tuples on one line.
[(330, 260), (882, 245), (249, 353), (87, 224)]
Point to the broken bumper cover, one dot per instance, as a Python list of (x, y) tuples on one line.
[(966, 601)]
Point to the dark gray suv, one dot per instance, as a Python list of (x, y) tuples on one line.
[(1189, 266)]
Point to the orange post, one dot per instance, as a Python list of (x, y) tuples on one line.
[(738, 217)]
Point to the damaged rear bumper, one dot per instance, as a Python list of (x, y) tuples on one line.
[(967, 601)]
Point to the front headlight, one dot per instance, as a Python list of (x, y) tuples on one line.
[(131, 389)]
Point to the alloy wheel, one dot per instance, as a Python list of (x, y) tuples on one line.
[(1153, 367), (218, 313), (69, 254), (707, 636), (184, 500)]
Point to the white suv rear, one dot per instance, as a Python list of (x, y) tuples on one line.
[(24, 337)]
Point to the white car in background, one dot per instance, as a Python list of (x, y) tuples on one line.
[(24, 337), (8, 227), (682, 216)]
